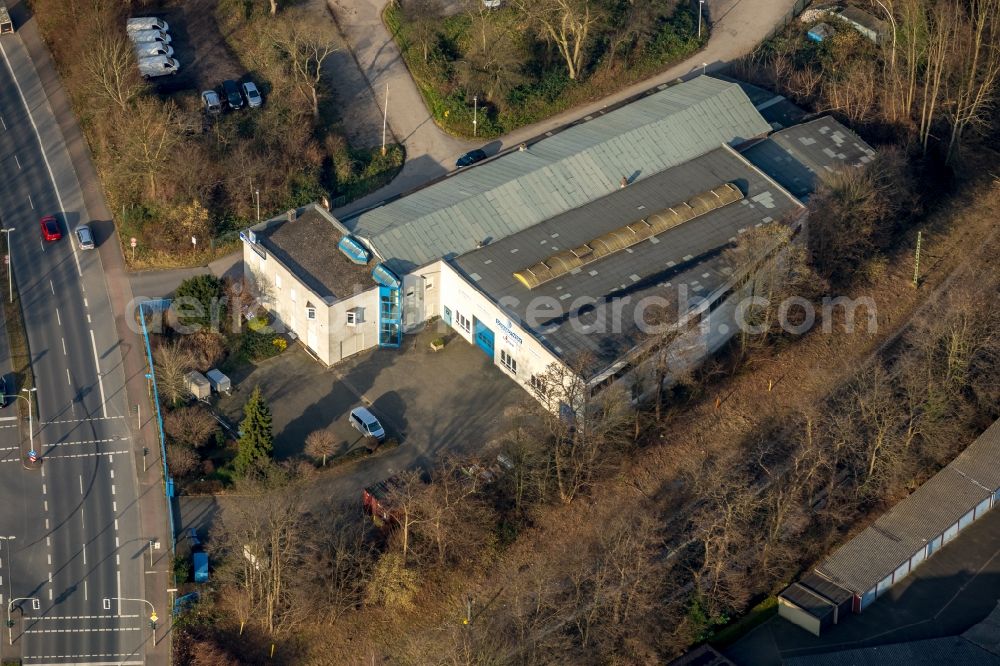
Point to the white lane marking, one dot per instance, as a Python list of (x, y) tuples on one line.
[(52, 287), (116, 524), (84, 553), (50, 559), (118, 575), (86, 592), (88, 318), (43, 488), (100, 377), (113, 471), (95, 418), (117, 543), (64, 345), (112, 489), (50, 592), (85, 303), (118, 559), (68, 379), (80, 631), (81, 484), (46, 523), (114, 506), (46, 504), (69, 455), (18, 162), (31, 117), (62, 618), (58, 318), (3, 123), (87, 441), (48, 541), (83, 519), (32, 203)]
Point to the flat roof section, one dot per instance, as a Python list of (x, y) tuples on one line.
[(798, 156), (307, 246), (578, 318), (567, 170)]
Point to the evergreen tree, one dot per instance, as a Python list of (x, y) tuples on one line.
[(256, 441)]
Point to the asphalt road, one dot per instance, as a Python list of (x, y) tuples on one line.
[(78, 552)]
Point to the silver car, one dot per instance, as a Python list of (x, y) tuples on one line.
[(252, 95), (84, 238)]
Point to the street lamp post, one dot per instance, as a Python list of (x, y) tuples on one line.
[(701, 9), (892, 20), (10, 265), (256, 194), (152, 611), (31, 429), (10, 622), (475, 115)]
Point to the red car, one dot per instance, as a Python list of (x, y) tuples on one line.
[(50, 228)]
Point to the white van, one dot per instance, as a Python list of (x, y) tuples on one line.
[(158, 66), (146, 23), (147, 36), (365, 422), (151, 49)]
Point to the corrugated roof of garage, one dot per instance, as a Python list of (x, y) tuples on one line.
[(935, 506), (567, 170)]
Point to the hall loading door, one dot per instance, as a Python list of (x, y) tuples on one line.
[(484, 337)]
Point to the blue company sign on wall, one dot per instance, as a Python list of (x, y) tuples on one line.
[(510, 334)]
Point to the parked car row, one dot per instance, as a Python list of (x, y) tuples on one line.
[(151, 40), (234, 96)]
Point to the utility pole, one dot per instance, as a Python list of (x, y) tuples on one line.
[(256, 194), (385, 115), (916, 260)]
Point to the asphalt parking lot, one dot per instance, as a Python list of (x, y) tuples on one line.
[(946, 595), (449, 402)]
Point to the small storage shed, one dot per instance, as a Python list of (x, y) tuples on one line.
[(220, 383), (198, 385)]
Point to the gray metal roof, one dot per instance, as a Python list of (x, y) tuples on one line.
[(904, 529), (688, 255), (798, 155), (565, 171)]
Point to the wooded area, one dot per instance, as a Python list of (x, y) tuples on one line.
[(528, 60), (170, 173), (634, 533)]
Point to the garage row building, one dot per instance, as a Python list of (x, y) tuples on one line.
[(888, 550), (571, 256)]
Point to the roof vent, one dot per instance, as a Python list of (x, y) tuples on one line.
[(292, 214), (622, 238)]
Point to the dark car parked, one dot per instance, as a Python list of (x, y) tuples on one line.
[(232, 94), (470, 158)]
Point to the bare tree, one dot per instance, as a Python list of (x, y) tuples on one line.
[(320, 443), (306, 45), (181, 460), (973, 90), (190, 426), (567, 23), (172, 363), (263, 535), (111, 64)]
